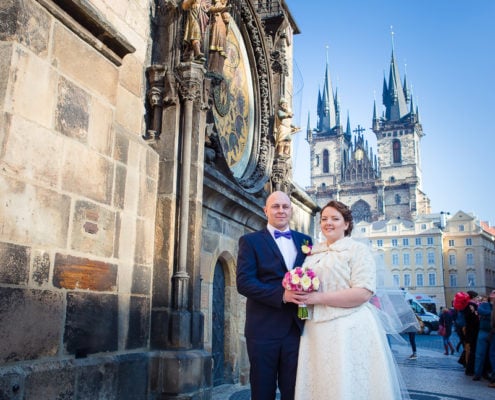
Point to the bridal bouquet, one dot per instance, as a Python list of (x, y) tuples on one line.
[(301, 279)]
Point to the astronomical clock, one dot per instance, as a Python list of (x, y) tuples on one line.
[(233, 109)]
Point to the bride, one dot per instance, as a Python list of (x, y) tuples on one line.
[(344, 353)]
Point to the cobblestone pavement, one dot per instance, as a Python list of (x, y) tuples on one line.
[(432, 376)]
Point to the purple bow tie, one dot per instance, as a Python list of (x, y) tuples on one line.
[(286, 234)]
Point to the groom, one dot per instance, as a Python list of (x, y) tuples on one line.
[(272, 327)]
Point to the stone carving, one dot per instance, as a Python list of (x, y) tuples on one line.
[(220, 18), (196, 23), (284, 129)]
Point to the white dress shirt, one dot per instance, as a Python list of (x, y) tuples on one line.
[(286, 246)]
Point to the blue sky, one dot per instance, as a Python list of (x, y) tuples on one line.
[(447, 50)]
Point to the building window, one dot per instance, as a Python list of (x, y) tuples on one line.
[(396, 151), (418, 257), (469, 242), (405, 242), (423, 227), (407, 280), (394, 228), (451, 243), (418, 241), (431, 258), (470, 259), (471, 279), (397, 199), (395, 242), (419, 280), (326, 161), (429, 240), (452, 260), (432, 279), (396, 279), (461, 228), (379, 242), (395, 259), (453, 280), (407, 259)]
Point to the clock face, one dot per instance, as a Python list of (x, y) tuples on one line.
[(233, 109), (358, 155)]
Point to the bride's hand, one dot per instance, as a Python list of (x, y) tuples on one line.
[(295, 297)]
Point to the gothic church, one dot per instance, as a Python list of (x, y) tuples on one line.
[(377, 186)]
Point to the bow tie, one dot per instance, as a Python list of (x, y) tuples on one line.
[(286, 234)]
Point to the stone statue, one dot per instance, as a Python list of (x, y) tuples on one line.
[(284, 129), (218, 35), (197, 20)]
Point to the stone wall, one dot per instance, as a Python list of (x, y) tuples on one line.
[(77, 199)]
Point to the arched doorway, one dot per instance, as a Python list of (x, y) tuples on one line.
[(218, 325)]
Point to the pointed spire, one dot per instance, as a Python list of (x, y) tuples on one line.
[(309, 134), (395, 99), (348, 132), (327, 114)]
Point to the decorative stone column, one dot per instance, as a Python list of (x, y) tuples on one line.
[(181, 368)]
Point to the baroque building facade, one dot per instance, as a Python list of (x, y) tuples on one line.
[(434, 255), (138, 143)]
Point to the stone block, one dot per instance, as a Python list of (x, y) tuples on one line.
[(121, 146), (32, 87), (132, 121), (27, 23), (87, 173), (180, 372), (131, 75), (83, 64), (11, 386), (141, 280), (147, 197), (91, 324), (132, 378), (31, 324), (29, 152), (210, 241), (41, 267), (97, 382), (72, 111), (139, 322), (50, 383), (82, 273), (100, 131), (120, 185), (145, 231), (93, 229), (14, 264), (30, 214), (5, 61)]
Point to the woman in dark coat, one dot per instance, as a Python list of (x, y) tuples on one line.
[(447, 321)]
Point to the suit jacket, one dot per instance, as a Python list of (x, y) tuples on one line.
[(260, 270)]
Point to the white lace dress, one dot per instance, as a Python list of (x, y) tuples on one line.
[(344, 353)]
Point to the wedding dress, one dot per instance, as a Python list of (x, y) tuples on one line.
[(344, 353)]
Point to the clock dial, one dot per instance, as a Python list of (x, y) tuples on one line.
[(233, 109)]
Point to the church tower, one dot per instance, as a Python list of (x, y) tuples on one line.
[(399, 132), (343, 167)]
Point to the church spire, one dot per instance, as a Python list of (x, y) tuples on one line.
[(395, 95), (327, 115)]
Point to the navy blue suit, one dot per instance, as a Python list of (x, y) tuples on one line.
[(272, 328)]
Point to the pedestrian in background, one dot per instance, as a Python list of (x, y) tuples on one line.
[(483, 340), (492, 340), (447, 321)]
